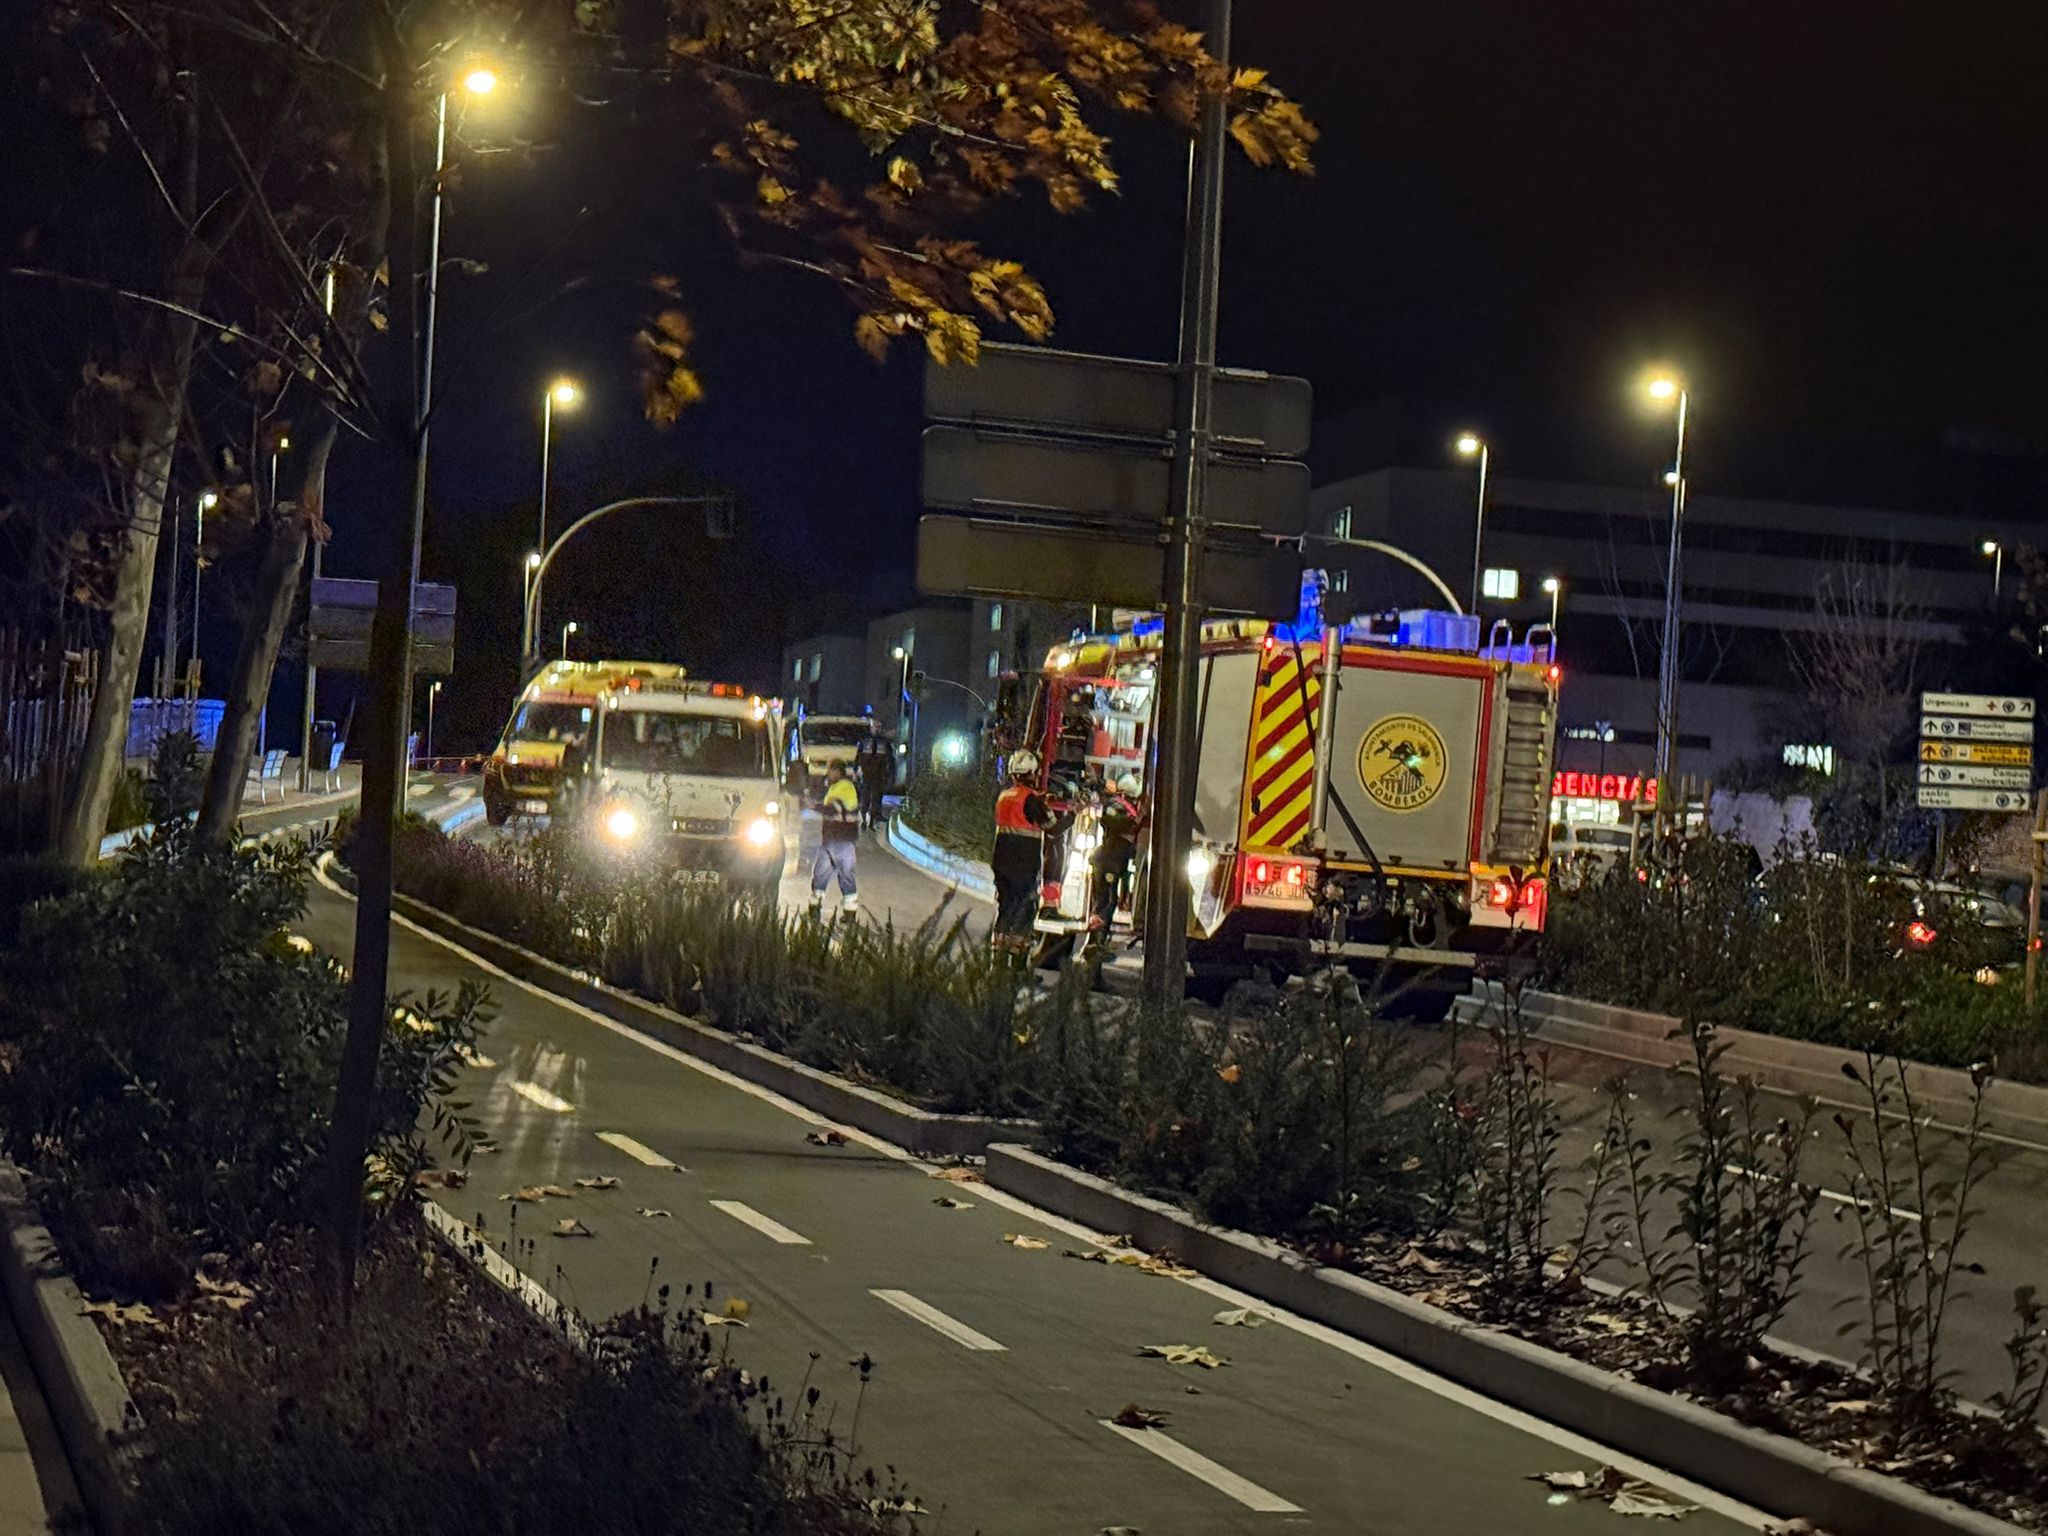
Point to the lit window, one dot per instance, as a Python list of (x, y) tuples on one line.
[(796, 670), (995, 663), (1340, 523), (995, 615), (1501, 584), (817, 664), (1340, 581), (1801, 754)]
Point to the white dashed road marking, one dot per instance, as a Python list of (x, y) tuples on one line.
[(638, 1152), (1195, 1464), (767, 1226), (553, 1102), (933, 1318)]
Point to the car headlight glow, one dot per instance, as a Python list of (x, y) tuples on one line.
[(622, 823), (760, 832), (1201, 865)]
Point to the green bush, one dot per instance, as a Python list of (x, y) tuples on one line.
[(130, 805), (441, 1406), (171, 1053), (177, 775), (956, 810)]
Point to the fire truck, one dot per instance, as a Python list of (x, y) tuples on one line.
[(1375, 795)]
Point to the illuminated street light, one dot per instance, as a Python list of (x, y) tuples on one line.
[(480, 81), (564, 393), (1994, 551), (1554, 590), (1663, 387), (1471, 445), (568, 629)]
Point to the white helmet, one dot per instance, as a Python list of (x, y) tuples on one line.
[(1022, 762)]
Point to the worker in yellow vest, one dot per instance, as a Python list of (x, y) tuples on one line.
[(838, 837)]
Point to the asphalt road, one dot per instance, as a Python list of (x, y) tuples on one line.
[(996, 1367)]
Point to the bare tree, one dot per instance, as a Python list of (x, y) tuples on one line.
[(1859, 665)]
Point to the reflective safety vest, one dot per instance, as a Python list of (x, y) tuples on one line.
[(1012, 812)]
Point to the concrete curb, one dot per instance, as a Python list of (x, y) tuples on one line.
[(921, 852), (88, 1400), (2018, 1111), (1774, 1474), (836, 1098)]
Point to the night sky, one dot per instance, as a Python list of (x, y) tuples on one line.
[(1830, 215)]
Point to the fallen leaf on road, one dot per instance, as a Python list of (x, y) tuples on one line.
[(1240, 1317), (653, 1215), (1164, 1264), (1853, 1405), (442, 1178), (1025, 1240), (569, 1226), (603, 1181), (1611, 1322), (1183, 1354), (231, 1294), (1621, 1493), (1415, 1258), (949, 1203), (896, 1505), (1649, 1502), (533, 1194), (737, 1309), (1231, 1074), (470, 1056), (1131, 1416), (826, 1138), (958, 1175), (713, 1320), (134, 1313)]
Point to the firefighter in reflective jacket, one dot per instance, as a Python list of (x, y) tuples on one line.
[(1122, 818), (1021, 819)]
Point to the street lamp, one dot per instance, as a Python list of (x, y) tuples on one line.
[(207, 501), (1661, 388), (1554, 590), (1994, 551), (1471, 445), (433, 692), (565, 394), (568, 629), (906, 721), (480, 80)]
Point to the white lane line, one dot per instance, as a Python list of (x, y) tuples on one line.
[(1565, 1440), (1835, 1195), (553, 1102), (1258, 1500), (639, 1152), (939, 1322), (767, 1226)]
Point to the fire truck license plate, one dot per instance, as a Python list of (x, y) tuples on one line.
[(534, 807)]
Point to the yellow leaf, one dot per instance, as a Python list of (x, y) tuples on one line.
[(905, 176), (771, 191), (873, 339)]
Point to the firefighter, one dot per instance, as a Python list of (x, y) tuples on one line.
[(1121, 819), (838, 836), (1021, 819)]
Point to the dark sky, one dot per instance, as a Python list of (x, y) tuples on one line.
[(1831, 215)]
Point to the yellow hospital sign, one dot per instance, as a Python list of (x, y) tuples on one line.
[(1989, 752)]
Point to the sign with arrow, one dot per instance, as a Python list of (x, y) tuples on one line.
[(2003, 754), (1972, 774)]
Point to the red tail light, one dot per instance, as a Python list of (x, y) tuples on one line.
[(1502, 895), (1285, 882), (1261, 872), (1919, 934)]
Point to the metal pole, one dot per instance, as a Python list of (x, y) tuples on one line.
[(426, 414), (198, 534), (1667, 670), (1479, 527), (169, 684), (1167, 896), (2034, 896), (1997, 571), (1556, 594), (312, 686), (433, 693), (547, 433), (1326, 729)]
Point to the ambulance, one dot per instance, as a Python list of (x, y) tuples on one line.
[(554, 716), (1374, 796)]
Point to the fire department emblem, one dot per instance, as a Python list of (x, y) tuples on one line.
[(1401, 763)]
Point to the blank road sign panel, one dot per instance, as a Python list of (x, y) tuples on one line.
[(1934, 797), (2000, 754), (1982, 705), (1951, 728), (971, 471), (1079, 393), (1976, 775)]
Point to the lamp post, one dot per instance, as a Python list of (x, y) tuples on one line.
[(538, 562), (1661, 388), (1994, 551), (1471, 445), (479, 81), (906, 720), (568, 629), (1554, 589), (563, 393), (433, 693), (526, 570), (207, 501)]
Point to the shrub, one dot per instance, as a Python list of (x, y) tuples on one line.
[(129, 806), (956, 810), (171, 1053), (441, 1407), (177, 775)]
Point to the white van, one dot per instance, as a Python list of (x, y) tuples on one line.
[(687, 776)]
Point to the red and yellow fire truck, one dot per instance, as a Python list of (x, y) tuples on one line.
[(1406, 825)]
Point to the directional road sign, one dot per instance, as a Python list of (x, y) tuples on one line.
[(1999, 753), (1949, 728), (1978, 777), (1936, 798), (339, 626), (977, 557), (976, 471), (1077, 393), (1979, 705)]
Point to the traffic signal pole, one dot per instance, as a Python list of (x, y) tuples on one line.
[(1180, 668)]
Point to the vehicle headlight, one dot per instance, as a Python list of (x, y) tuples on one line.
[(1201, 865), (760, 832), (622, 823)]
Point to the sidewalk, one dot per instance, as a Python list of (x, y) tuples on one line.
[(35, 1479)]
